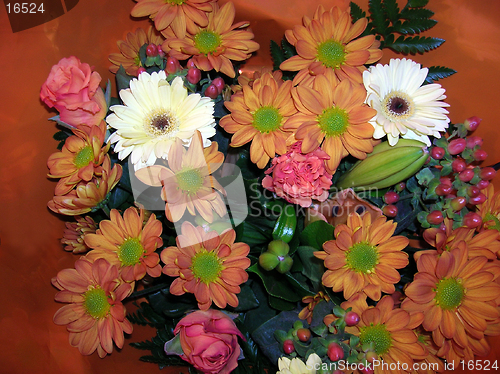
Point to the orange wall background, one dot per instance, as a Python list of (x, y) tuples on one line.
[(30, 253)]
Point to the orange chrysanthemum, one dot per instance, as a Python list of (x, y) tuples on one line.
[(247, 78), (325, 46), (188, 183), (335, 117), (213, 46), (95, 316), (75, 232), (178, 14), (259, 115), (79, 158), (457, 296), (209, 265), (128, 243), (364, 257), (490, 209), (389, 330), (312, 301), (129, 50), (88, 197), (431, 364)]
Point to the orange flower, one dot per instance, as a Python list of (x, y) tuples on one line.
[(325, 46), (259, 115), (128, 243), (333, 113), (75, 232), (79, 158), (457, 296), (311, 301), (430, 364), (188, 183), (490, 209), (129, 50), (389, 329), (88, 197), (208, 265), (178, 14), (95, 316), (213, 46), (364, 257), (247, 78)]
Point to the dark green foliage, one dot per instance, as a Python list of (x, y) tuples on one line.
[(438, 72)]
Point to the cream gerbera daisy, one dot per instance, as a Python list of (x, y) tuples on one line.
[(154, 113), (405, 107)]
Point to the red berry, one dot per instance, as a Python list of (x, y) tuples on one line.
[(190, 64), (479, 199), (456, 146), (193, 75), (160, 51), (304, 334), (443, 189), (472, 220), (458, 165), (390, 211), (219, 83), (480, 155), (435, 217), (141, 70), (288, 346), (371, 356), (173, 65), (391, 197), (335, 352), (351, 318), (366, 369), (400, 187), (487, 173), (458, 203), (473, 191), (152, 50), (482, 184), (472, 141), (445, 180), (466, 175), (437, 153), (472, 123), (212, 92)]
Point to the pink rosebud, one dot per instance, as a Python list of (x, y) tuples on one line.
[(472, 141), (457, 146), (472, 123)]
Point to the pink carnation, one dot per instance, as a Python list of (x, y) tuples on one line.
[(299, 178)]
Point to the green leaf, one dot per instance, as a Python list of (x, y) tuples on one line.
[(173, 346), (118, 197), (122, 79), (391, 9), (313, 266), (438, 72), (417, 3), (316, 233), (248, 169), (276, 54), (276, 284), (142, 54), (298, 286), (356, 12), (288, 49), (280, 304), (61, 136), (415, 44), (415, 26), (416, 13), (247, 299), (377, 16)]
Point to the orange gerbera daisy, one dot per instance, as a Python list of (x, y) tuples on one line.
[(188, 183), (209, 265), (79, 158), (457, 296), (364, 257), (335, 117), (95, 316), (325, 46), (75, 232), (389, 330), (129, 50), (178, 14), (89, 196), (213, 46), (490, 209), (128, 243), (259, 115)]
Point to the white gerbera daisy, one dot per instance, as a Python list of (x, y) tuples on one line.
[(154, 114), (405, 107)]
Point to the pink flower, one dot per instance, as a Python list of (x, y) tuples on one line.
[(209, 340), (73, 89), (299, 178)]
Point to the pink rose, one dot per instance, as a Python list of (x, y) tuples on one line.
[(209, 340), (299, 178), (73, 89)]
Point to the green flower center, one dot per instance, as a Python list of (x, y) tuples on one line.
[(84, 157), (398, 106), (267, 119), (96, 302), (378, 335), (331, 53), (207, 41), (362, 257), (491, 217), (449, 293), (176, 2), (137, 60), (189, 180), (206, 266), (130, 252), (333, 121)]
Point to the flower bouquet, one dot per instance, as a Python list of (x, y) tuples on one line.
[(319, 216)]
